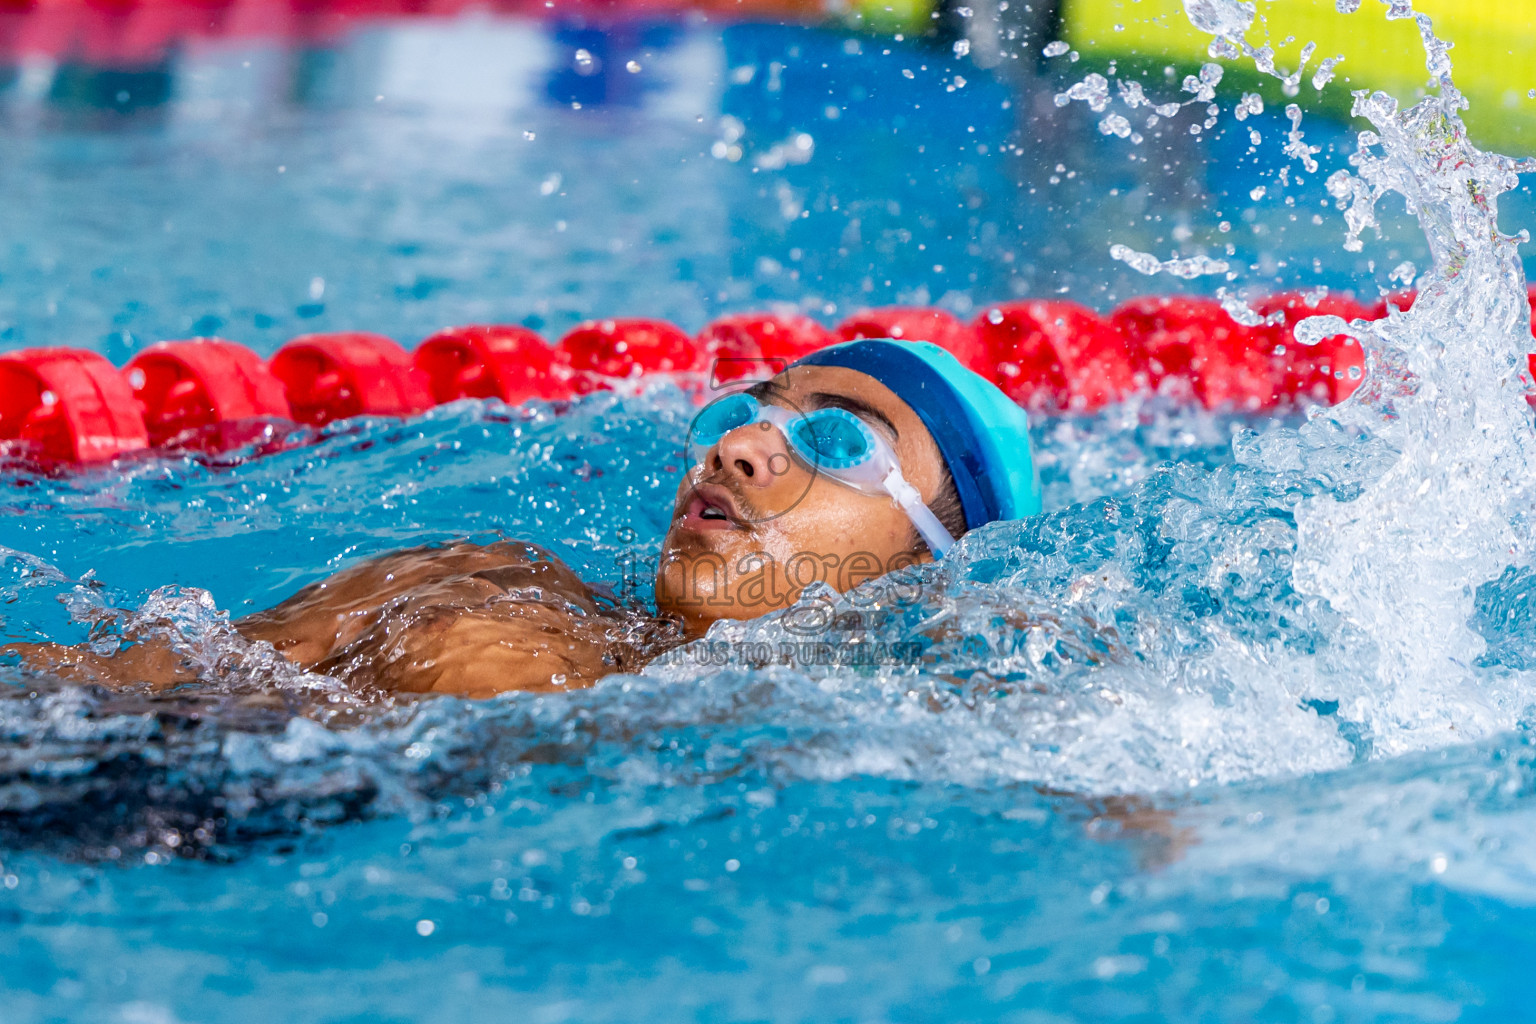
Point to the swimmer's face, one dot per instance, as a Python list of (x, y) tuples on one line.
[(753, 526)]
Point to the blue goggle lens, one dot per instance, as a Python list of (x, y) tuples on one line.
[(833, 437), (719, 418)]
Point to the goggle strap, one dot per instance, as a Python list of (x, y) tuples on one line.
[(933, 532)]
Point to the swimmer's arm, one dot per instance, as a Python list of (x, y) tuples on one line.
[(306, 628), (326, 617), (151, 663), (415, 621), (485, 651), (1160, 838), (468, 653), (465, 619)]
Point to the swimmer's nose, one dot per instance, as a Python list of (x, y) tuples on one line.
[(754, 455)]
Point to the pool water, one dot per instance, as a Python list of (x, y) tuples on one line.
[(1134, 773)]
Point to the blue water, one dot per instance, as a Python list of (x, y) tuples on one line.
[(1127, 780)]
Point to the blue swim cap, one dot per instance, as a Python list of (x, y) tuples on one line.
[(982, 435)]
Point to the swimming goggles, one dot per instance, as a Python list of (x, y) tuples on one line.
[(830, 441)]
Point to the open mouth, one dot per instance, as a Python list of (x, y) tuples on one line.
[(710, 508)]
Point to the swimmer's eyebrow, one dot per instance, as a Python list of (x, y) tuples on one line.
[(860, 408), (773, 391), (767, 391)]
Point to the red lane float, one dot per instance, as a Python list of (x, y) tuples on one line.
[(1192, 343), (912, 323), (1052, 355), (136, 33), (334, 376), (68, 405), (1327, 372), (188, 387), (71, 405), (626, 349), (1530, 360), (758, 345), (511, 363), (1402, 300)]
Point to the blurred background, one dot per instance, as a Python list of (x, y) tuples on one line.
[(263, 168)]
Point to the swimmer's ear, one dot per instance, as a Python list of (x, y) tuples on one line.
[(917, 554)]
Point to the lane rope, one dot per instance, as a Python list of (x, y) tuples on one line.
[(64, 405)]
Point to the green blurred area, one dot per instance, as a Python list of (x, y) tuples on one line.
[(1494, 52), (914, 17)]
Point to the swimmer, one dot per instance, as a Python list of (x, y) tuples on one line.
[(862, 458)]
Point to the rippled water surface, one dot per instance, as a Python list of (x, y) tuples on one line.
[(1134, 772)]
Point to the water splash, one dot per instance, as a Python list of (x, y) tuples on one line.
[(1189, 267), (1206, 600), (1326, 71), (1224, 19), (1402, 560), (1094, 89)]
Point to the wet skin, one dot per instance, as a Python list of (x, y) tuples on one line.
[(751, 527)]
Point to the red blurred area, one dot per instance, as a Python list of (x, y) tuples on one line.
[(627, 349), (67, 405), (511, 363), (756, 346), (186, 389), (1056, 356), (72, 405), (125, 33), (912, 323), (1192, 346), (334, 376), (1326, 372)]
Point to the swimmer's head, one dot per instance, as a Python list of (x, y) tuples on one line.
[(783, 493)]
